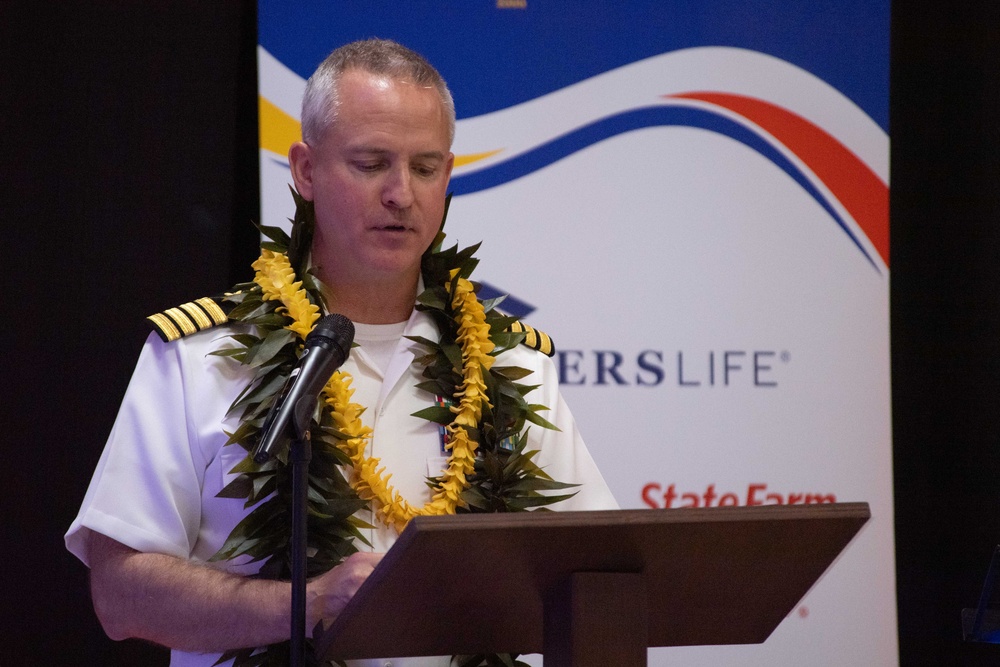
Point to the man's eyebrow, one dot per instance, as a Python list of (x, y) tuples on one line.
[(435, 155)]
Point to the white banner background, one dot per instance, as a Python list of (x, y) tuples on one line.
[(719, 332)]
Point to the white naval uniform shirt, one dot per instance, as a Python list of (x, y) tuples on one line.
[(156, 483)]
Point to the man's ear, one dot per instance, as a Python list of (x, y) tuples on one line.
[(450, 164), (300, 160)]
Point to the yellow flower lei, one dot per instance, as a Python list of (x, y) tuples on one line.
[(277, 281), (276, 278)]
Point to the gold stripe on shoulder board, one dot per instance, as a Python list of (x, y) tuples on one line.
[(188, 318), (533, 338)]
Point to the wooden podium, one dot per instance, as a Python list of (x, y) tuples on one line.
[(590, 588)]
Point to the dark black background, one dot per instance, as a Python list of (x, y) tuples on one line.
[(129, 169)]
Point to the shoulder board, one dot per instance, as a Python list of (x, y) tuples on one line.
[(533, 338), (189, 318)]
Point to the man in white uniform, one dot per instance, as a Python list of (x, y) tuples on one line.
[(375, 160)]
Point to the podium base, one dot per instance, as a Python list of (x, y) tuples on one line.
[(595, 619)]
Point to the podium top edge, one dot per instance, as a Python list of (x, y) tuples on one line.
[(859, 511)]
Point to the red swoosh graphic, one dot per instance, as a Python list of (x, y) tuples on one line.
[(851, 181)]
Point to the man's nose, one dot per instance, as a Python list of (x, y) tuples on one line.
[(398, 192)]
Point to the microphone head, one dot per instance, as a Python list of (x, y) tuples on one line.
[(332, 329)]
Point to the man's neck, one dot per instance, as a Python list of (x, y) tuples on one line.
[(367, 302)]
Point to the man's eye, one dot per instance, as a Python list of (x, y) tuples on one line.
[(367, 166), (424, 170)]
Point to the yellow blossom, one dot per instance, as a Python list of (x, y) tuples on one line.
[(276, 278)]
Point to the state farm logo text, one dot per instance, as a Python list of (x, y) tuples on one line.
[(657, 496)]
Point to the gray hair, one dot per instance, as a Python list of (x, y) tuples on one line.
[(375, 56)]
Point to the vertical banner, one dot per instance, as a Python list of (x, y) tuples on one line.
[(692, 200)]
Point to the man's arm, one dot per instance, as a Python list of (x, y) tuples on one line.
[(193, 607)]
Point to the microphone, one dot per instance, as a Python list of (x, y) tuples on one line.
[(326, 349)]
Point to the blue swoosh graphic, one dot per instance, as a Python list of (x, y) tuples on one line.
[(636, 119), (511, 305)]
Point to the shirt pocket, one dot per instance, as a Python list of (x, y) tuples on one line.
[(229, 457)]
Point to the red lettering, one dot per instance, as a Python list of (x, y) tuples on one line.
[(752, 494), (757, 494), (669, 497), (646, 491)]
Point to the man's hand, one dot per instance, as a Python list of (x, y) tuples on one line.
[(328, 594)]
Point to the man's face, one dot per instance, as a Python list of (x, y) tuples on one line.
[(378, 178)]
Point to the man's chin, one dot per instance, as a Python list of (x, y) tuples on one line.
[(395, 266)]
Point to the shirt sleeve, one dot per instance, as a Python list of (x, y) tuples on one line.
[(146, 490), (563, 455)]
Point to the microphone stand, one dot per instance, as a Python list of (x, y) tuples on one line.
[(299, 455), (331, 338)]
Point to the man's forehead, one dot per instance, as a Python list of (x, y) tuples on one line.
[(364, 93), (374, 112), (376, 150), (359, 79), (368, 78)]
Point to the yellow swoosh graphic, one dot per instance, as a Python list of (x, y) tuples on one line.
[(278, 130)]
